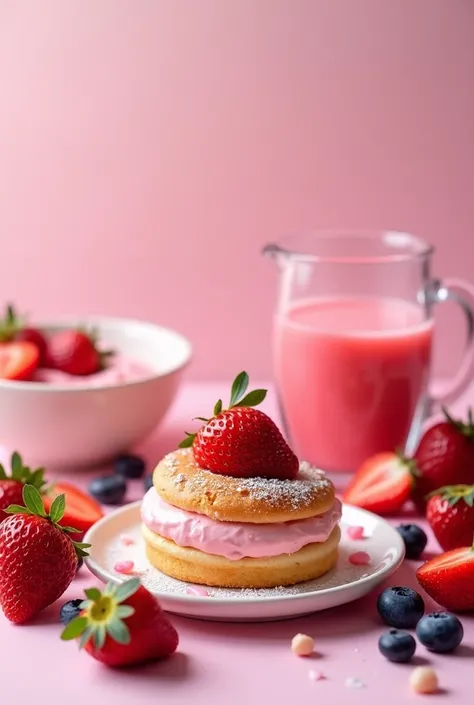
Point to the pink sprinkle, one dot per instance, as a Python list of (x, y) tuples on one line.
[(359, 558), (355, 532), (196, 590), (316, 676), (125, 567), (127, 540)]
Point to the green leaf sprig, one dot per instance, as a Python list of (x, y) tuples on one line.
[(33, 506), (238, 397)]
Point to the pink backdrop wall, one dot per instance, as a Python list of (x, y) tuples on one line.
[(148, 149)]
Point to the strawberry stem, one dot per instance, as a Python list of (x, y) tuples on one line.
[(22, 473), (103, 615), (467, 429), (238, 398), (33, 506)]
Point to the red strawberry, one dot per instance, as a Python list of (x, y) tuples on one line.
[(445, 456), (242, 441), (123, 625), (32, 335), (11, 487), (449, 579), (450, 513), (37, 559), (18, 361), (14, 328), (382, 484), (82, 511), (75, 352)]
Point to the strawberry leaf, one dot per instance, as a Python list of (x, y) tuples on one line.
[(188, 441), (16, 509), (58, 508), (92, 593), (16, 465), (239, 387), (3, 474), (100, 635), (74, 629), (33, 501), (253, 398), (127, 589), (218, 407), (118, 631), (124, 611), (86, 635), (71, 530)]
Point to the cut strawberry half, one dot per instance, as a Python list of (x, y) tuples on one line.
[(18, 361), (82, 511), (381, 485), (449, 579)]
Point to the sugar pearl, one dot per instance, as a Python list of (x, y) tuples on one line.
[(302, 645), (124, 567), (359, 558), (355, 532), (127, 540), (424, 680), (316, 676)]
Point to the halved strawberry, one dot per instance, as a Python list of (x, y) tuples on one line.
[(18, 361), (449, 579), (381, 485), (82, 511)]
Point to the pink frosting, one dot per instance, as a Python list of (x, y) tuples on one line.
[(120, 369), (231, 539)]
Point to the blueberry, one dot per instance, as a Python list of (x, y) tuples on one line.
[(109, 489), (130, 466), (148, 482), (400, 607), (440, 632), (397, 646), (70, 610), (414, 538)]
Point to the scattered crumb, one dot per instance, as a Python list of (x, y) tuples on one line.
[(316, 676), (302, 645), (423, 679), (359, 558), (354, 683)]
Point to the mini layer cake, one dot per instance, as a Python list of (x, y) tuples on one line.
[(252, 532)]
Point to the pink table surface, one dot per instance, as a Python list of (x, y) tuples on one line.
[(227, 663)]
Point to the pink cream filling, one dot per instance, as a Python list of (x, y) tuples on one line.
[(231, 539)]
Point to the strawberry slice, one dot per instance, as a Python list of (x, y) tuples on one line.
[(381, 485), (449, 579), (18, 361), (82, 511)]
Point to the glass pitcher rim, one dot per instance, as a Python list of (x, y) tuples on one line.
[(401, 246)]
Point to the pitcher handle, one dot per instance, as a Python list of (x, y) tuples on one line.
[(463, 294)]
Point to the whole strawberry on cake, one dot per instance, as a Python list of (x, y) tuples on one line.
[(234, 507)]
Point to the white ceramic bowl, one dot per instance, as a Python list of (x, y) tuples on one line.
[(59, 425)]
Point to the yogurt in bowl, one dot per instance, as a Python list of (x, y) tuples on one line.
[(59, 420)]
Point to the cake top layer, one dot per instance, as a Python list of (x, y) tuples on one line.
[(181, 482)]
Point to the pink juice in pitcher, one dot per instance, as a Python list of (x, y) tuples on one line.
[(351, 373)]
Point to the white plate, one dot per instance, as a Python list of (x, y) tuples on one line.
[(342, 584)]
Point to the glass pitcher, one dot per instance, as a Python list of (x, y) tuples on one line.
[(353, 337)]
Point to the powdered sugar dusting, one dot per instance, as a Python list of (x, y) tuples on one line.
[(295, 494), (158, 583)]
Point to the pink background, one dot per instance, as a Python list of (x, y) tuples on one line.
[(148, 149)]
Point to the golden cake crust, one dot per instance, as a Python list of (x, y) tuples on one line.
[(193, 566), (182, 483)]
